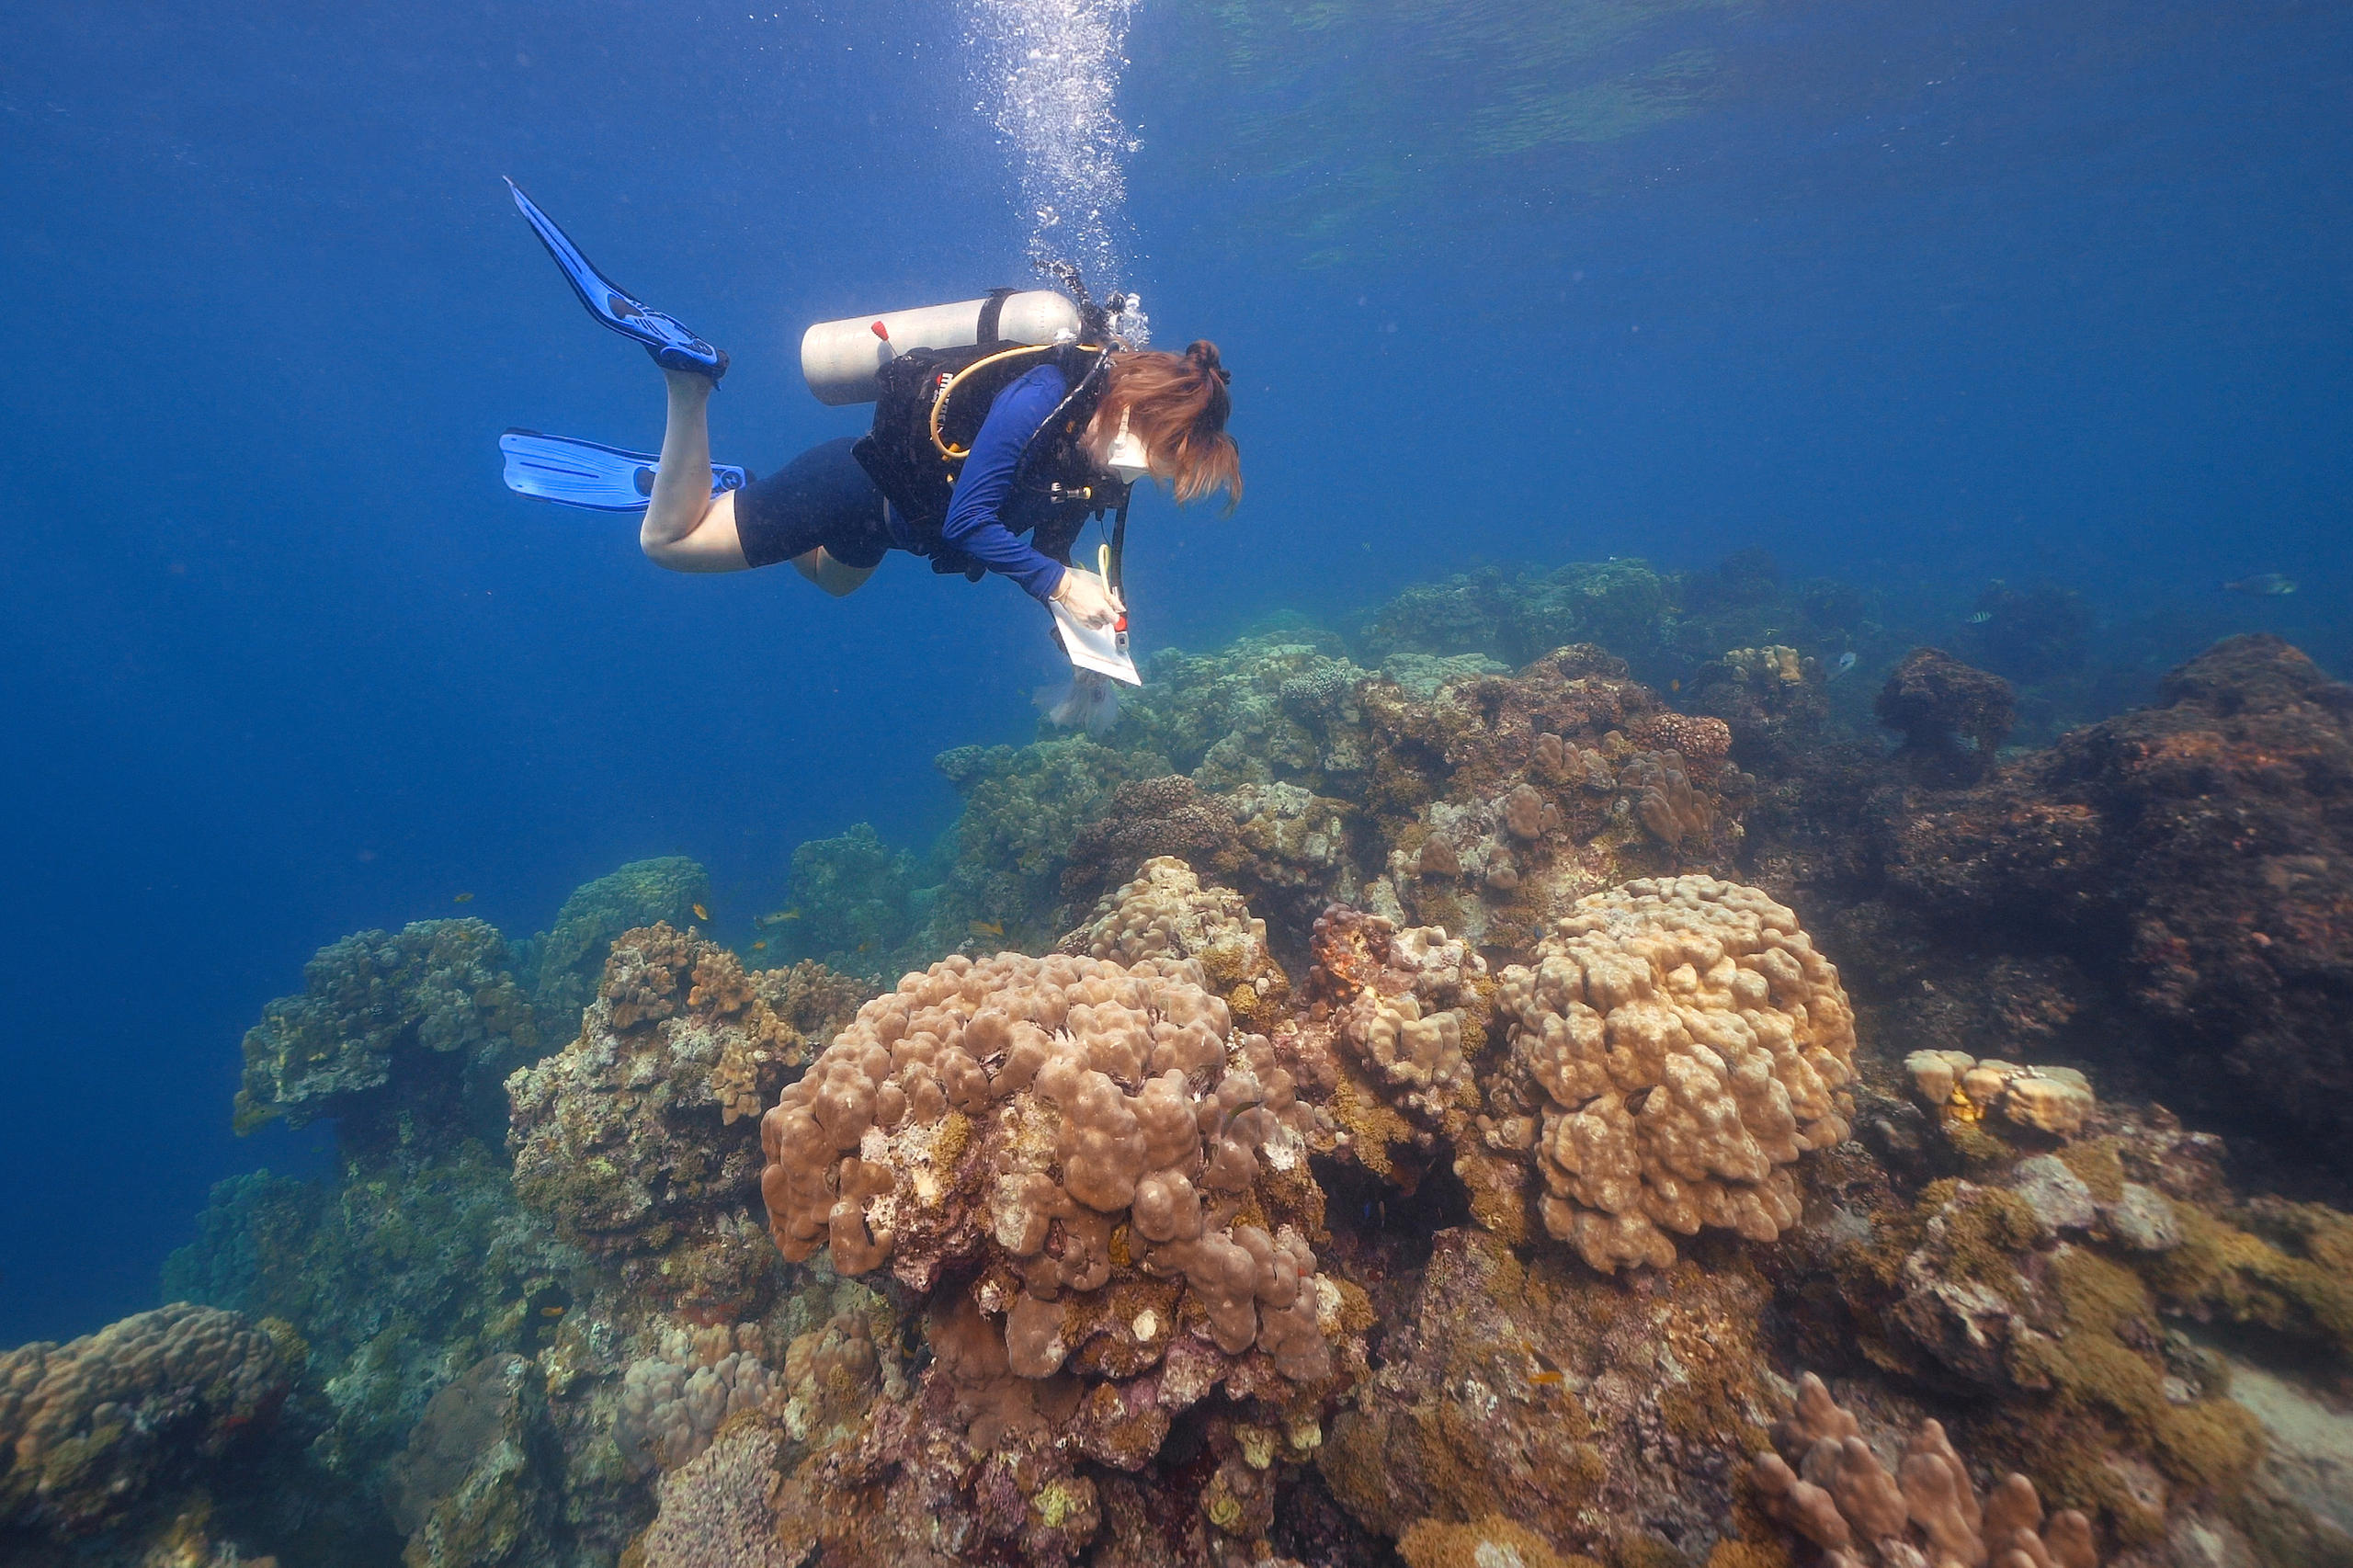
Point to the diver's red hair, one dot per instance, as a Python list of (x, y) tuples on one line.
[(1177, 405)]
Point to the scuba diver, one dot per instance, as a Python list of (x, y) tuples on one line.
[(1028, 412)]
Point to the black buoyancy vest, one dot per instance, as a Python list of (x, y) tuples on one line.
[(949, 391)]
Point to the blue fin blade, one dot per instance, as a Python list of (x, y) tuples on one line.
[(674, 344), (591, 474)]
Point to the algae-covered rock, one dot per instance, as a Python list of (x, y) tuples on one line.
[(434, 1006), (405, 1269), (472, 1489), (855, 905), (564, 960)]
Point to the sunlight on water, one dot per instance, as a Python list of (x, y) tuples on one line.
[(1049, 74)]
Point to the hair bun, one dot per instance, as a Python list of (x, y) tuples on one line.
[(1204, 354)]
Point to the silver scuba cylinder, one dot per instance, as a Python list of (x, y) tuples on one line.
[(838, 358)]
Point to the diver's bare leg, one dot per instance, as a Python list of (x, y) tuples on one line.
[(685, 530), (830, 575)]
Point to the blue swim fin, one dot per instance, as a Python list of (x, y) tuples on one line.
[(673, 346), (591, 474)]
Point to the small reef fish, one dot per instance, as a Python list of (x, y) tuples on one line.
[(700, 912), (761, 946), (463, 898), (552, 1312), (1845, 662), (779, 917), (2262, 586), (986, 928), (1547, 1377), (1981, 618)]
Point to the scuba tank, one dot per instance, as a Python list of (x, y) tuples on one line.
[(839, 358)]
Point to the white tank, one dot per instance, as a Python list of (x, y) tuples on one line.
[(838, 358)]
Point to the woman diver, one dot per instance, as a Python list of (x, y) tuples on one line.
[(981, 433)]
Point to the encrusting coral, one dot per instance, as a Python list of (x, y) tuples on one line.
[(1828, 1486), (1688, 1044), (87, 1427)]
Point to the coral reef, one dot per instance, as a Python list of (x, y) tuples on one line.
[(1687, 1044), (1417, 1141), (88, 1427), (434, 1004), (1827, 1484), (565, 961)]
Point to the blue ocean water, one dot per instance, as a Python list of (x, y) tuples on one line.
[(1915, 295)]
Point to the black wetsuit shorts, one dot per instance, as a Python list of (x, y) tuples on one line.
[(823, 497)]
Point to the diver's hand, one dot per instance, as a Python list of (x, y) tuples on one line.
[(1085, 597)]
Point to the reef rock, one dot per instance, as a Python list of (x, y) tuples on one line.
[(1936, 702), (1499, 802), (1599, 1419), (2202, 850), (639, 1139)]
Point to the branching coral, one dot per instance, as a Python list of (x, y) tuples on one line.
[(87, 1427), (1689, 1043), (1827, 1485), (375, 1005)]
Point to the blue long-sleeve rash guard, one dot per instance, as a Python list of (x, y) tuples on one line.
[(987, 514)]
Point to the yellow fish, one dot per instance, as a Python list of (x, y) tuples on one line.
[(760, 947), (700, 912), (987, 927), (551, 1312), (463, 898)]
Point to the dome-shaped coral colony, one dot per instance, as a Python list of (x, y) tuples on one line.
[(1418, 1138)]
